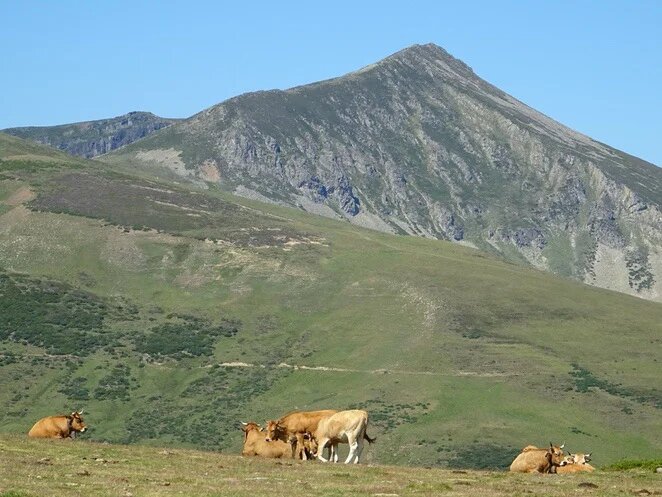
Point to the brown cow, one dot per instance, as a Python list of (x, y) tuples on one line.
[(256, 445), (575, 463), (343, 427), (296, 424), (59, 426), (535, 460)]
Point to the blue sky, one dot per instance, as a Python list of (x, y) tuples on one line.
[(595, 66)]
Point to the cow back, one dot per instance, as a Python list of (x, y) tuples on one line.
[(304, 421), (575, 468), (530, 461), (51, 427)]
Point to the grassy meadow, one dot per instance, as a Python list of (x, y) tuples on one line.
[(171, 313), (64, 468)]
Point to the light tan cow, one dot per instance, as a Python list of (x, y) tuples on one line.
[(343, 427), (59, 426), (296, 424), (575, 463), (535, 460), (256, 445)]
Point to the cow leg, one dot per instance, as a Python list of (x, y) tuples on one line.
[(359, 450), (301, 452), (334, 452), (353, 445), (322, 443)]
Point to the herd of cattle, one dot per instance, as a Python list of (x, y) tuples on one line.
[(307, 434)]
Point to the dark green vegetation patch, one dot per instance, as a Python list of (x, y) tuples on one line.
[(53, 315), (184, 335)]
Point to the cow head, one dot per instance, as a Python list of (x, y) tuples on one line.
[(274, 431), (310, 445), (250, 426), (76, 423), (555, 454), (579, 458)]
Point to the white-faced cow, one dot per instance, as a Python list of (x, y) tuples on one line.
[(256, 445), (535, 460), (296, 424), (343, 427), (575, 463), (59, 426)]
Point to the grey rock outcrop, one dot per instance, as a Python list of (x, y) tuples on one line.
[(93, 138)]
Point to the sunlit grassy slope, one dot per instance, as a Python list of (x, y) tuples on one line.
[(31, 468), (172, 313)]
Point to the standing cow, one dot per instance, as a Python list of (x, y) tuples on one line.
[(535, 460), (59, 426), (296, 424), (343, 427)]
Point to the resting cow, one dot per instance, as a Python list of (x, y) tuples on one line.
[(535, 460), (575, 463), (343, 427), (256, 445), (296, 424), (59, 426)]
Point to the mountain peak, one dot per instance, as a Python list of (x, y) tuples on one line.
[(431, 57)]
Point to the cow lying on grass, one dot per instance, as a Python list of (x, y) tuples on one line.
[(59, 426), (535, 460), (256, 445), (575, 463)]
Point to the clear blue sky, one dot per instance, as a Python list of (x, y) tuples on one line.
[(595, 66)]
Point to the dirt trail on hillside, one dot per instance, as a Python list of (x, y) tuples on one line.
[(325, 369), (295, 367)]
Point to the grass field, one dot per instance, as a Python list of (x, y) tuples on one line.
[(63, 468), (151, 302)]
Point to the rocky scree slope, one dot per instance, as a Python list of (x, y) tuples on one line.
[(419, 144), (91, 138)]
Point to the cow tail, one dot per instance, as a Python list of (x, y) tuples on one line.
[(370, 440)]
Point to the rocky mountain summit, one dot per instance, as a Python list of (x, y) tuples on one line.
[(418, 144), (91, 138)]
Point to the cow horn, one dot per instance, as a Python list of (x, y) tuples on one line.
[(562, 445), (81, 411), (245, 424)]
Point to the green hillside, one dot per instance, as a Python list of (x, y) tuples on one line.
[(172, 313)]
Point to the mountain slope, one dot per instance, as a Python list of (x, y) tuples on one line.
[(418, 144), (172, 313), (92, 138)]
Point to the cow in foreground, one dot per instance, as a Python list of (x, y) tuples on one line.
[(296, 424), (343, 427), (59, 426), (256, 445), (535, 460), (575, 463)]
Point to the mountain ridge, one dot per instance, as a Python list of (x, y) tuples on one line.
[(91, 138)]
